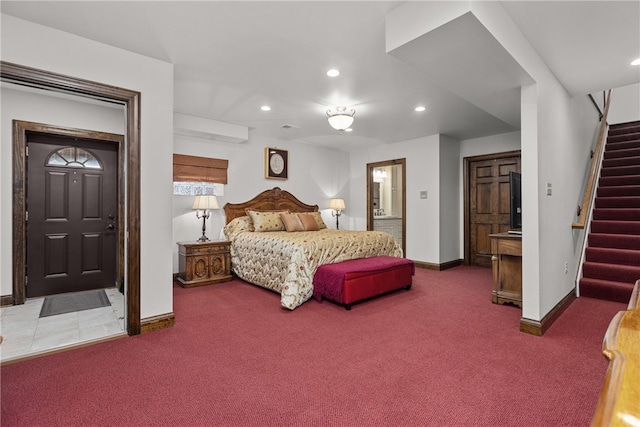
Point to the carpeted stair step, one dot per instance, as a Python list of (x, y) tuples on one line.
[(613, 256), (616, 214), (617, 241), (607, 181), (621, 129), (605, 289), (623, 145), (618, 202), (618, 190), (631, 136), (616, 227), (621, 161), (625, 152), (615, 272), (621, 170)]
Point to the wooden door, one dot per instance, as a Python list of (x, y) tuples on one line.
[(488, 203), (72, 212)]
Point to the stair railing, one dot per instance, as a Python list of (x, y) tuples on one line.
[(595, 104), (596, 159)]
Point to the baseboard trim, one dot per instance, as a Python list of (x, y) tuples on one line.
[(155, 323), (438, 267), (6, 300), (539, 327)]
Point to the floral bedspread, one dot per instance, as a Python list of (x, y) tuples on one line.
[(285, 262)]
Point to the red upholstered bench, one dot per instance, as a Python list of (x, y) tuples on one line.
[(359, 279)]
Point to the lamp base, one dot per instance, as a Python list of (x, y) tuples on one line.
[(204, 237), (337, 215)]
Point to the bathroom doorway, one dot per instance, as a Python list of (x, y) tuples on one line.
[(386, 199)]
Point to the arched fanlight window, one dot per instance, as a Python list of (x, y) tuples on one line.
[(73, 157)]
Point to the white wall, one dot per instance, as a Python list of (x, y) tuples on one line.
[(423, 173), (490, 144), (625, 104), (315, 175), (33, 45), (432, 165), (555, 130), (450, 206)]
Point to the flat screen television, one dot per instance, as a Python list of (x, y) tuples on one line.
[(515, 212)]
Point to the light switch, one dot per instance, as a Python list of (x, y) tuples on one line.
[(548, 188), (423, 194)]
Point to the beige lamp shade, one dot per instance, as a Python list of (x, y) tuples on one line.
[(337, 204), (205, 203)]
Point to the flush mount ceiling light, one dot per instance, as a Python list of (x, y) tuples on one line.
[(333, 72), (265, 108), (341, 119), (420, 108)]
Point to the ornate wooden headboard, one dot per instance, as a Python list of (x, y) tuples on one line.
[(268, 200)]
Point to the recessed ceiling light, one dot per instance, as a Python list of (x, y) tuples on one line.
[(265, 108), (333, 72), (420, 108), (636, 62)]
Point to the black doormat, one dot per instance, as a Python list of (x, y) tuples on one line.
[(77, 301)]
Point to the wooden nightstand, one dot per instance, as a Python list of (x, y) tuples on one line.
[(204, 263)]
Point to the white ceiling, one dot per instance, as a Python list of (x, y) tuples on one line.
[(232, 57)]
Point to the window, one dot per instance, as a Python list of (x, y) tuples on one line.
[(193, 176), (73, 157)]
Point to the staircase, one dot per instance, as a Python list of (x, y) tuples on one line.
[(612, 259)]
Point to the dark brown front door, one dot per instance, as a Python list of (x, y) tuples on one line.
[(72, 215), (489, 204)]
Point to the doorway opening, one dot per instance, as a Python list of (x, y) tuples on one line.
[(386, 198), (41, 79)]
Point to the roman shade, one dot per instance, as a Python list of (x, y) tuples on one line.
[(199, 169)]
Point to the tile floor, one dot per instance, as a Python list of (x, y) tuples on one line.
[(25, 334)]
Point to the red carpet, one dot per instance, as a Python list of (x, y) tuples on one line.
[(440, 354), (612, 262)]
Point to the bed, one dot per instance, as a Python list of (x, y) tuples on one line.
[(285, 261)]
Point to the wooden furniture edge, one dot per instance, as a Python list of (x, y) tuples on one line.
[(155, 323), (618, 402), (611, 385), (539, 327), (273, 199)]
